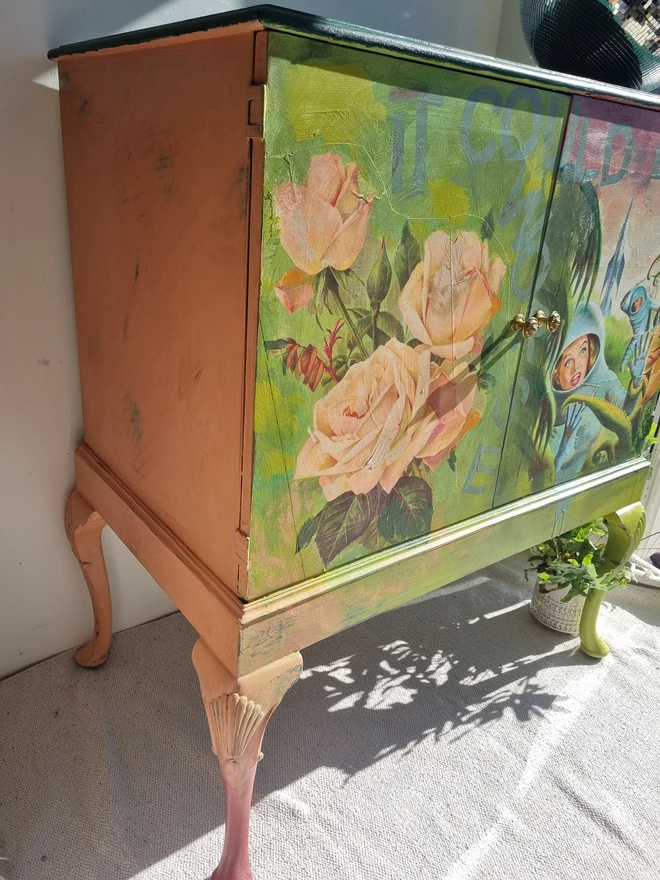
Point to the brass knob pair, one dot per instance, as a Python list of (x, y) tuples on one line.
[(529, 326)]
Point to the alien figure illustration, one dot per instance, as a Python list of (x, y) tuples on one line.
[(643, 311)]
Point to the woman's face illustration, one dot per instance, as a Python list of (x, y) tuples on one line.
[(573, 364)]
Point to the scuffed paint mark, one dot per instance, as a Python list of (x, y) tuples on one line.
[(83, 107), (137, 270), (44, 362), (239, 186), (134, 418)]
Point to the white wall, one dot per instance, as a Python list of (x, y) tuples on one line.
[(44, 606), (511, 42)]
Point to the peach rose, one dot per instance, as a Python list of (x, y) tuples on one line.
[(324, 221), (386, 411), (452, 294)]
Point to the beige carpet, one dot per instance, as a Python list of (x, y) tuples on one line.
[(453, 739)]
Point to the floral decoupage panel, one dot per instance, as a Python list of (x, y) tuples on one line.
[(404, 207), (585, 395)]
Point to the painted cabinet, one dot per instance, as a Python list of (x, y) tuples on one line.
[(316, 270)]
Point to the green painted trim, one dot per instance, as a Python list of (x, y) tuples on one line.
[(300, 615), (625, 531), (590, 642), (327, 30)]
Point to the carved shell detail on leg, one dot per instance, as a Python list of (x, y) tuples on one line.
[(233, 720)]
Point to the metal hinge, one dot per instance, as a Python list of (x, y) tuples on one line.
[(256, 101)]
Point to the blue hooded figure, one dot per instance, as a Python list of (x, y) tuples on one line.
[(581, 369)]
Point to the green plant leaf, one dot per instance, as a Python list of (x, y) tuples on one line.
[(380, 278), (388, 327), (408, 255), (488, 226), (307, 532), (408, 511), (275, 344), (344, 519)]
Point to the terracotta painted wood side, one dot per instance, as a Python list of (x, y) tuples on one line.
[(84, 527), (212, 609), (259, 77), (158, 173), (292, 619), (238, 711), (149, 41)]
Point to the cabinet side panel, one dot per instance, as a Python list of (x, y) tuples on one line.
[(404, 208), (586, 394), (158, 169)]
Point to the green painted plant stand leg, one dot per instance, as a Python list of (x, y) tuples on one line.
[(625, 531), (590, 642)]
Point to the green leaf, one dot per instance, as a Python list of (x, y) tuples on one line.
[(488, 226), (390, 326), (275, 344), (372, 538), (341, 278), (408, 255), (344, 519), (307, 532), (408, 511), (380, 278)]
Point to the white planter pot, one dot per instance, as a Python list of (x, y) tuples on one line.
[(549, 610)]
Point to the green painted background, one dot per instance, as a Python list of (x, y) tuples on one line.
[(599, 257), (439, 150)]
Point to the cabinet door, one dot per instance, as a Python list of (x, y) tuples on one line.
[(584, 395), (404, 206)]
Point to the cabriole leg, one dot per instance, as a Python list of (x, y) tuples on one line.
[(238, 711), (625, 531), (83, 528)]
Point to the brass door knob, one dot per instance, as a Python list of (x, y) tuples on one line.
[(529, 326), (552, 322)]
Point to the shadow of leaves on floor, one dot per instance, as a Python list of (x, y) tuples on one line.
[(441, 667)]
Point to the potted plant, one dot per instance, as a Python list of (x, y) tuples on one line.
[(567, 568)]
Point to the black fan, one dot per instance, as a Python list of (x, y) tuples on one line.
[(608, 40)]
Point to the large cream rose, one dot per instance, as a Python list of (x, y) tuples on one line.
[(386, 411), (324, 221), (452, 294)]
